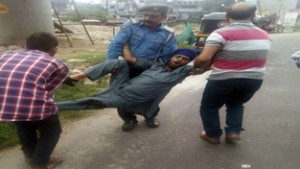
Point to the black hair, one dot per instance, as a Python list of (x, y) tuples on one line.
[(42, 41), (241, 13)]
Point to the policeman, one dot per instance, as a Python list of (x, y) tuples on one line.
[(148, 38)]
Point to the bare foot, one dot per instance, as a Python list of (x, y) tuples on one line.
[(54, 162)]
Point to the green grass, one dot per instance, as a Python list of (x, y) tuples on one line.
[(8, 137), (81, 89), (88, 59)]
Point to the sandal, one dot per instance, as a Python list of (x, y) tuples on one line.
[(27, 160), (54, 162)]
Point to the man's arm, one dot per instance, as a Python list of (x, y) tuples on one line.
[(118, 41), (57, 77), (129, 57), (205, 59), (127, 54), (213, 43), (79, 76)]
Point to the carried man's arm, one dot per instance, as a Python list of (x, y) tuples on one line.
[(127, 54), (138, 62)]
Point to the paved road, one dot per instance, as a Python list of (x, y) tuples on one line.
[(271, 139)]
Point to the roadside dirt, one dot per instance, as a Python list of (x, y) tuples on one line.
[(101, 36), (81, 44)]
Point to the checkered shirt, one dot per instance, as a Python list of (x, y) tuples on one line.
[(27, 82)]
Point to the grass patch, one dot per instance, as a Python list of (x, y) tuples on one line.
[(81, 89), (84, 60), (8, 136)]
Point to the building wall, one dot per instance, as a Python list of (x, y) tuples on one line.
[(129, 7), (188, 6), (273, 6)]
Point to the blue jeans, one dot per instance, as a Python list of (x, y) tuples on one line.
[(232, 93), (39, 138)]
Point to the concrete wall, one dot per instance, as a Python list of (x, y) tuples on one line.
[(22, 19)]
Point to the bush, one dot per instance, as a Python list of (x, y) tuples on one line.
[(86, 11)]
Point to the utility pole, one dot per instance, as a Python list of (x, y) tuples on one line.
[(176, 8), (259, 9), (107, 6), (19, 19)]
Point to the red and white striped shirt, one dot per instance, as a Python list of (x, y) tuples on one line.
[(243, 51), (27, 82)]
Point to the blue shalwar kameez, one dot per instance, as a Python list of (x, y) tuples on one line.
[(141, 94)]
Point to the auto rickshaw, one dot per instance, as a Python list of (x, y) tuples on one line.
[(209, 23)]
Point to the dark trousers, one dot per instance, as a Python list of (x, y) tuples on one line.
[(128, 115), (39, 138), (232, 93)]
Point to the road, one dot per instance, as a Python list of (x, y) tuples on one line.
[(271, 139)]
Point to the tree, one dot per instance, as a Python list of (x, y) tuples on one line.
[(87, 10), (92, 10)]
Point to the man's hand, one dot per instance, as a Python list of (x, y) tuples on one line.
[(127, 55), (70, 82), (197, 71), (206, 58), (115, 71)]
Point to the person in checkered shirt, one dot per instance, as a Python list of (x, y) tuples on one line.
[(28, 79)]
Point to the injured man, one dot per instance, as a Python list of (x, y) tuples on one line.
[(139, 95)]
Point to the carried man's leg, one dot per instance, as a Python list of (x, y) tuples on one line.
[(119, 67), (81, 104), (102, 99)]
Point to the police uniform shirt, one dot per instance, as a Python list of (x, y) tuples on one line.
[(144, 42)]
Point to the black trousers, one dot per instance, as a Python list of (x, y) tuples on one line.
[(128, 115), (39, 138)]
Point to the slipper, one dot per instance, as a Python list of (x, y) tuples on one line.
[(27, 160), (54, 162)]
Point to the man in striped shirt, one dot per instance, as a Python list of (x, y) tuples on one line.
[(27, 81), (237, 55)]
